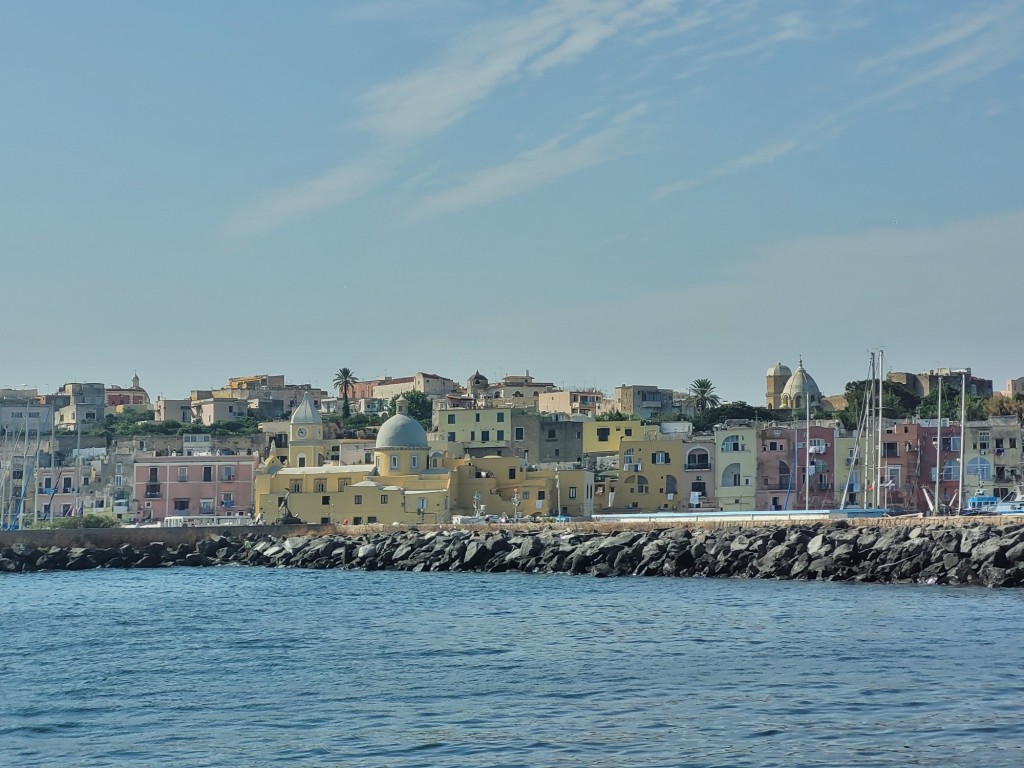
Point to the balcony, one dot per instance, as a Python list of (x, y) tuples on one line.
[(152, 491), (704, 466)]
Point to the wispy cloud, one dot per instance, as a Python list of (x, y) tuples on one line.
[(336, 187), (955, 52), (552, 160), (403, 112), (763, 155)]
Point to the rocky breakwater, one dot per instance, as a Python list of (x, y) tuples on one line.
[(979, 554)]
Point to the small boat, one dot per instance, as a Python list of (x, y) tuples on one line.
[(987, 504)]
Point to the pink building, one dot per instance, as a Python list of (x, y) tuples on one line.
[(783, 477), (62, 491), (194, 485)]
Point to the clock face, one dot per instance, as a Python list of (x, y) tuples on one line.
[(302, 432)]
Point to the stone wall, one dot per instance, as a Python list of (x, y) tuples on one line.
[(934, 553)]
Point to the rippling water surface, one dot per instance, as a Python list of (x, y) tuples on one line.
[(248, 667)]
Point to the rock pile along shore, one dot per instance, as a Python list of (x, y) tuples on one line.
[(979, 554)]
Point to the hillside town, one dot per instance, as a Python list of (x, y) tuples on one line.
[(426, 448)]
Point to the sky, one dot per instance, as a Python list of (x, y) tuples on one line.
[(601, 192)]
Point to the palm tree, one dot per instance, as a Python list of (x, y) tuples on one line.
[(702, 397), (344, 380)]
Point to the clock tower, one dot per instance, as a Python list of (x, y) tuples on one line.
[(306, 436)]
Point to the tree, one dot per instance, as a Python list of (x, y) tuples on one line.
[(898, 402), (344, 380), (613, 416), (976, 406), (421, 407), (731, 411), (702, 397)]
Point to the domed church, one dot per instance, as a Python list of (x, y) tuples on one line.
[(785, 389)]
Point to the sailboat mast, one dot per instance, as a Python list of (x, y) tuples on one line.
[(938, 446), (878, 467), (963, 438)]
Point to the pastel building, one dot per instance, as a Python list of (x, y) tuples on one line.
[(123, 398), (660, 471), (193, 485), (736, 449), (576, 402), (408, 482)]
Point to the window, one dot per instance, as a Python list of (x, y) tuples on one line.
[(572, 491), (501, 434), (207, 474), (892, 476), (319, 487), (325, 501), (525, 495), (394, 462), (1013, 442), (477, 415), (628, 432), (357, 500), (485, 435), (698, 458), (520, 433), (979, 468), (206, 506), (357, 521), (451, 418), (472, 435), (451, 437), (660, 457), (541, 495), (383, 498), (227, 474), (999, 443), (302, 459), (983, 439), (501, 416), (371, 520), (296, 487), (119, 481), (119, 469), (603, 433), (414, 462), (731, 444), (181, 505), (182, 474), (551, 434), (421, 504)]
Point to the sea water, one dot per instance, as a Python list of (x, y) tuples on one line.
[(233, 666)]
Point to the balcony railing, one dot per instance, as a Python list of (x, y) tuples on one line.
[(692, 467)]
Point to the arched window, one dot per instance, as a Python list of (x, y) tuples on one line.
[(698, 458), (979, 468), (731, 444), (731, 476), (302, 459), (414, 462), (641, 484), (394, 461), (296, 487), (671, 486), (319, 487)]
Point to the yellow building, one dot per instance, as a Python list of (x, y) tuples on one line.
[(407, 483), (603, 437), (736, 447)]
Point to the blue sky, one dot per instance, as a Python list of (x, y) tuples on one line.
[(606, 192)]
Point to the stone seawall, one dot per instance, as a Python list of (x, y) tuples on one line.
[(982, 554)]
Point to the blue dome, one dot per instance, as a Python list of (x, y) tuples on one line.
[(400, 431)]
